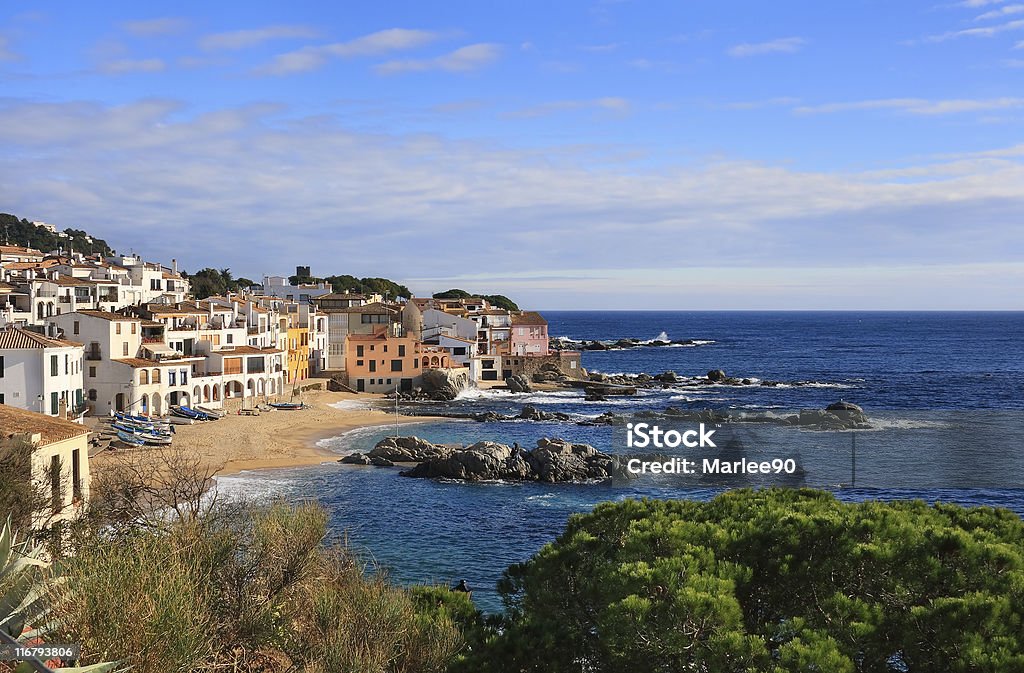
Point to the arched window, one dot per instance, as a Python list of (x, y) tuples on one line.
[(143, 377), (156, 376)]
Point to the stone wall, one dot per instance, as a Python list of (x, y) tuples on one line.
[(528, 365)]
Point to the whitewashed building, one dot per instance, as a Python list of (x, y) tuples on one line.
[(40, 373)]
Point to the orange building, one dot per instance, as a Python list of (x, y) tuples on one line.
[(383, 361)]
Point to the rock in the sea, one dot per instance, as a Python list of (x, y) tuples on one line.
[(848, 411), (554, 460), (355, 459), (668, 377), (407, 450), (716, 375), (518, 384), (444, 384), (377, 461), (532, 413)]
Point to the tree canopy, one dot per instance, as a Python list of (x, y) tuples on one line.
[(21, 232), (773, 581), (208, 282), (346, 283), (499, 300)]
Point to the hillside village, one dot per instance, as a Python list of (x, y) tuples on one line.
[(90, 335)]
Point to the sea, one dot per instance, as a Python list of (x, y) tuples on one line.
[(944, 393)]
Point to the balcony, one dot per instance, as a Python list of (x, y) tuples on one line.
[(109, 297), (93, 354), (46, 293)]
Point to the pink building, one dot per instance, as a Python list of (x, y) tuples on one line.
[(529, 334)]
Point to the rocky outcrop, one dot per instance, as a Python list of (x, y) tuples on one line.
[(553, 461), (407, 450), (444, 384), (621, 344), (518, 384), (838, 416), (549, 373)]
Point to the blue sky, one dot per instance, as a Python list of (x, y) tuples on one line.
[(602, 154)]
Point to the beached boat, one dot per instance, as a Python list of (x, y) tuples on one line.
[(180, 420), (289, 406), (129, 438), (216, 413), (188, 412)]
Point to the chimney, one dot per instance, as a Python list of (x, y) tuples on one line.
[(174, 266)]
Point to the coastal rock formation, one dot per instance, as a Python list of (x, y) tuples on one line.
[(837, 416), (444, 384), (553, 461), (518, 384), (549, 372), (563, 343), (406, 450)]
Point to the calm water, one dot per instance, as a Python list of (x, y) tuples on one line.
[(944, 389)]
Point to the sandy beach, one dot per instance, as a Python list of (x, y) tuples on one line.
[(275, 439)]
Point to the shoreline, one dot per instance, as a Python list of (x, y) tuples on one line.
[(276, 439)]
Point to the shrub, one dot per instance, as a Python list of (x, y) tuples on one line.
[(776, 580)]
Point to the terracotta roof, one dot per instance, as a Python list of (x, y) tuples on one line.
[(341, 295), (70, 281), (138, 362), (17, 421), (375, 308), (8, 286), (14, 337), (24, 266), (104, 315), (528, 318), (18, 250)]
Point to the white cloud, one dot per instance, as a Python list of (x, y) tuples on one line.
[(153, 27), (252, 37), (1005, 10), (916, 106), (237, 174), (464, 59), (783, 45), (128, 65), (987, 31), (606, 104), (381, 42)]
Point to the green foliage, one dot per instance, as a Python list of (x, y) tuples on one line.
[(497, 300), (14, 231), (773, 581), (346, 283), (20, 496), (209, 282), (25, 587), (242, 588)]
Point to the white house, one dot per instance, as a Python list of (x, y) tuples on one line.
[(41, 374), (60, 460)]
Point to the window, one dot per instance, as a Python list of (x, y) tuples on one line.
[(92, 372), (359, 363), (184, 377), (1, 398), (385, 348), (396, 366), (359, 351), (143, 377), (54, 404), (373, 365), (401, 350), (415, 363), (170, 378), (77, 327), (67, 365), (459, 350), (1, 366), (231, 338), (92, 394), (76, 475), (55, 499), (134, 327), (155, 378), (117, 329), (53, 365), (124, 349)]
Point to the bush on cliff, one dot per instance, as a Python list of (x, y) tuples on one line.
[(777, 580)]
